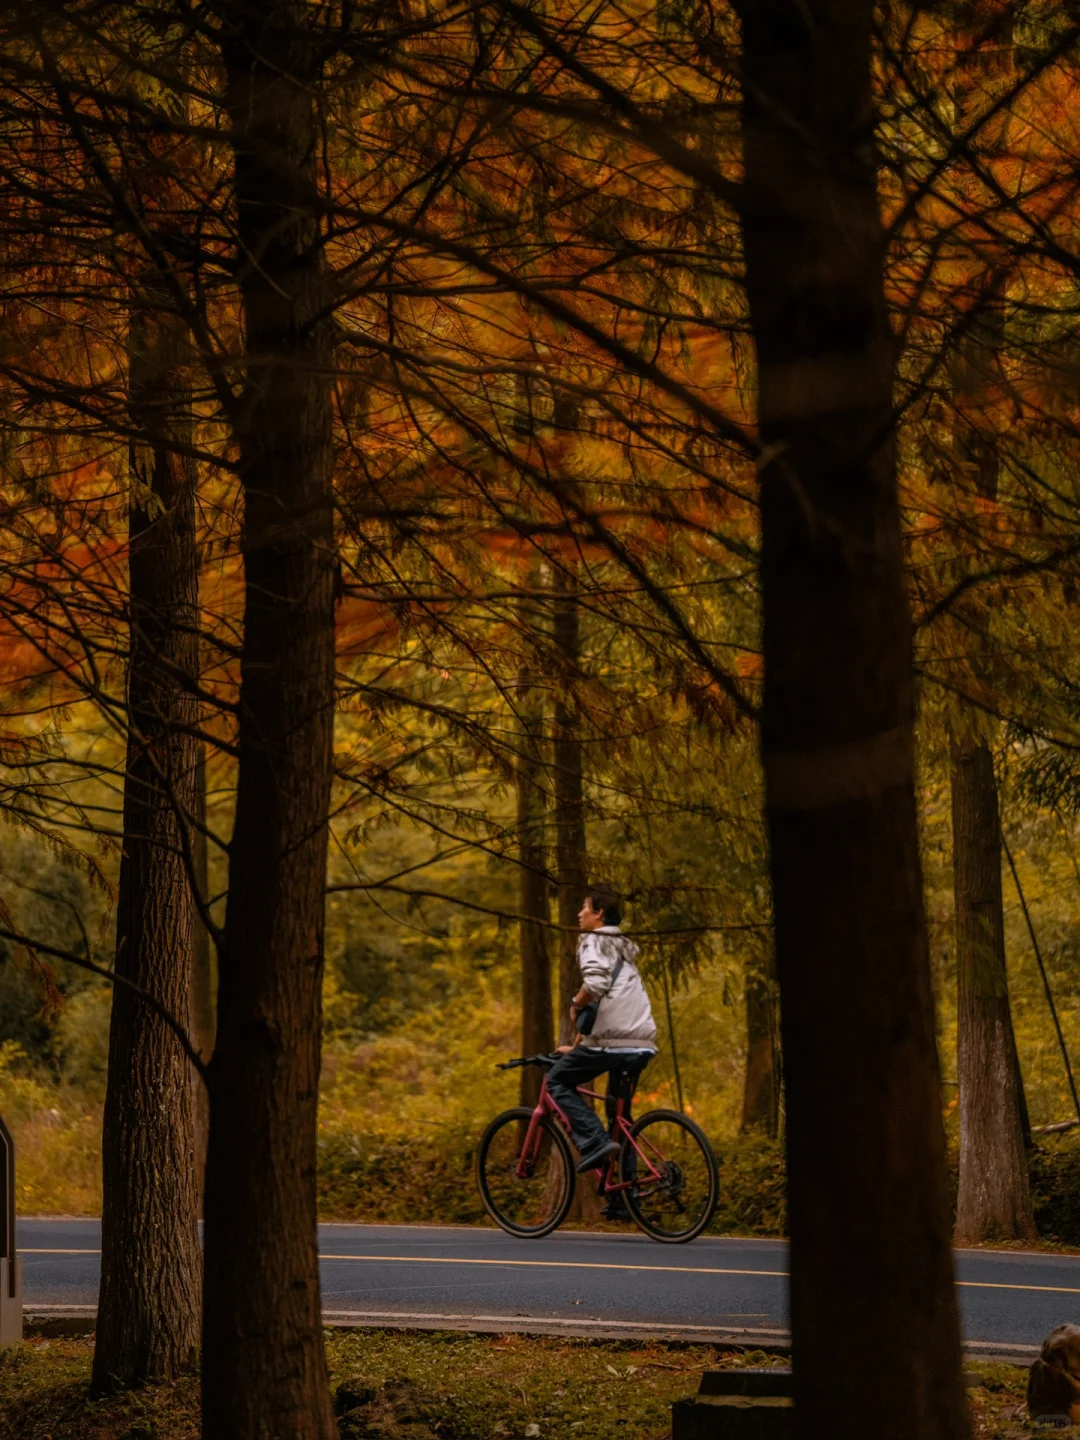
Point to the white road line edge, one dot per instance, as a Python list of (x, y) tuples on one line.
[(553, 1322)]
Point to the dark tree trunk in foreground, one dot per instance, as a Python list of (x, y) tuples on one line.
[(201, 1007), (868, 1201), (264, 1366), (569, 786), (761, 1089), (148, 1311), (994, 1200), (537, 1023)]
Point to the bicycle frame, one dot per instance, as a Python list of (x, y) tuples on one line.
[(619, 1129)]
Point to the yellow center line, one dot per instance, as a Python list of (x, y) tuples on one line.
[(1000, 1285), (663, 1269), (549, 1264), (600, 1265)]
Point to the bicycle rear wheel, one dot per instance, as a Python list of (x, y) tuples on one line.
[(675, 1184), (536, 1201)]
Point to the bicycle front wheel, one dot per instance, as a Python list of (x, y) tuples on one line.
[(528, 1195), (674, 1181)]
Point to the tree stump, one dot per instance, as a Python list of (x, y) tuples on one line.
[(1053, 1392)]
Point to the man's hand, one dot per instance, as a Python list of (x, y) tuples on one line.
[(563, 1049)]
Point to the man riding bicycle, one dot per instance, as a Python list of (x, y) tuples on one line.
[(623, 1037)]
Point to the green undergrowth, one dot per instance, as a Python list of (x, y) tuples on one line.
[(1055, 1189), (397, 1178), (393, 1178), (435, 1386)]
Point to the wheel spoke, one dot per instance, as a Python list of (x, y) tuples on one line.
[(679, 1202), (536, 1199)]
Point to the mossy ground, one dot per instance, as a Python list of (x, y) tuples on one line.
[(443, 1386), (997, 1403)]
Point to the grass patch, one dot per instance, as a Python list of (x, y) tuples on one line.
[(998, 1409), (44, 1395), (394, 1385)]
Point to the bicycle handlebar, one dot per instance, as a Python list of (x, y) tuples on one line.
[(527, 1060)]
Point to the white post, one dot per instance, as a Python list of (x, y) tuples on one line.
[(11, 1314)]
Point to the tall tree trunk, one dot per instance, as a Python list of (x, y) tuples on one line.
[(761, 1090), (537, 1022), (994, 1200), (571, 864), (994, 1197), (201, 1007), (868, 1201), (148, 1310), (264, 1366)]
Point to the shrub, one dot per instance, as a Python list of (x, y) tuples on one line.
[(397, 1178), (57, 1139), (1055, 1188), (753, 1199), (401, 1178)]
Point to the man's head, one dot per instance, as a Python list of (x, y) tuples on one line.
[(603, 906)]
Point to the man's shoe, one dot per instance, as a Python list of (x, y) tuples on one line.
[(591, 1159)]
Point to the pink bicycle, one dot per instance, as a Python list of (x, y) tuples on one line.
[(664, 1168)]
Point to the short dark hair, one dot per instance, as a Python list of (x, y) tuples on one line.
[(603, 896)]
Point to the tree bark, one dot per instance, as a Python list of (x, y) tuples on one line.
[(571, 841), (148, 1310), (201, 1007), (571, 863), (761, 1091), (868, 1202), (994, 1199), (994, 1195), (264, 1366), (537, 1022)]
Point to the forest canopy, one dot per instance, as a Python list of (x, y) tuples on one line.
[(454, 454)]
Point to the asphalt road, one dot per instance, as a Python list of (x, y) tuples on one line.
[(586, 1283)]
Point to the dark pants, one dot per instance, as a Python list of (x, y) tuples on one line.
[(578, 1068)]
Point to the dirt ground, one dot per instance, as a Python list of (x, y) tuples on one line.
[(393, 1385)]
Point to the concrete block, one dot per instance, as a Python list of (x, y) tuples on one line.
[(737, 1405), (733, 1417), (11, 1306)]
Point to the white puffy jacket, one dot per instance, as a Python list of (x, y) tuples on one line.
[(624, 1020)]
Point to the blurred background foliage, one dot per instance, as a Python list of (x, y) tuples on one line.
[(422, 994)]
